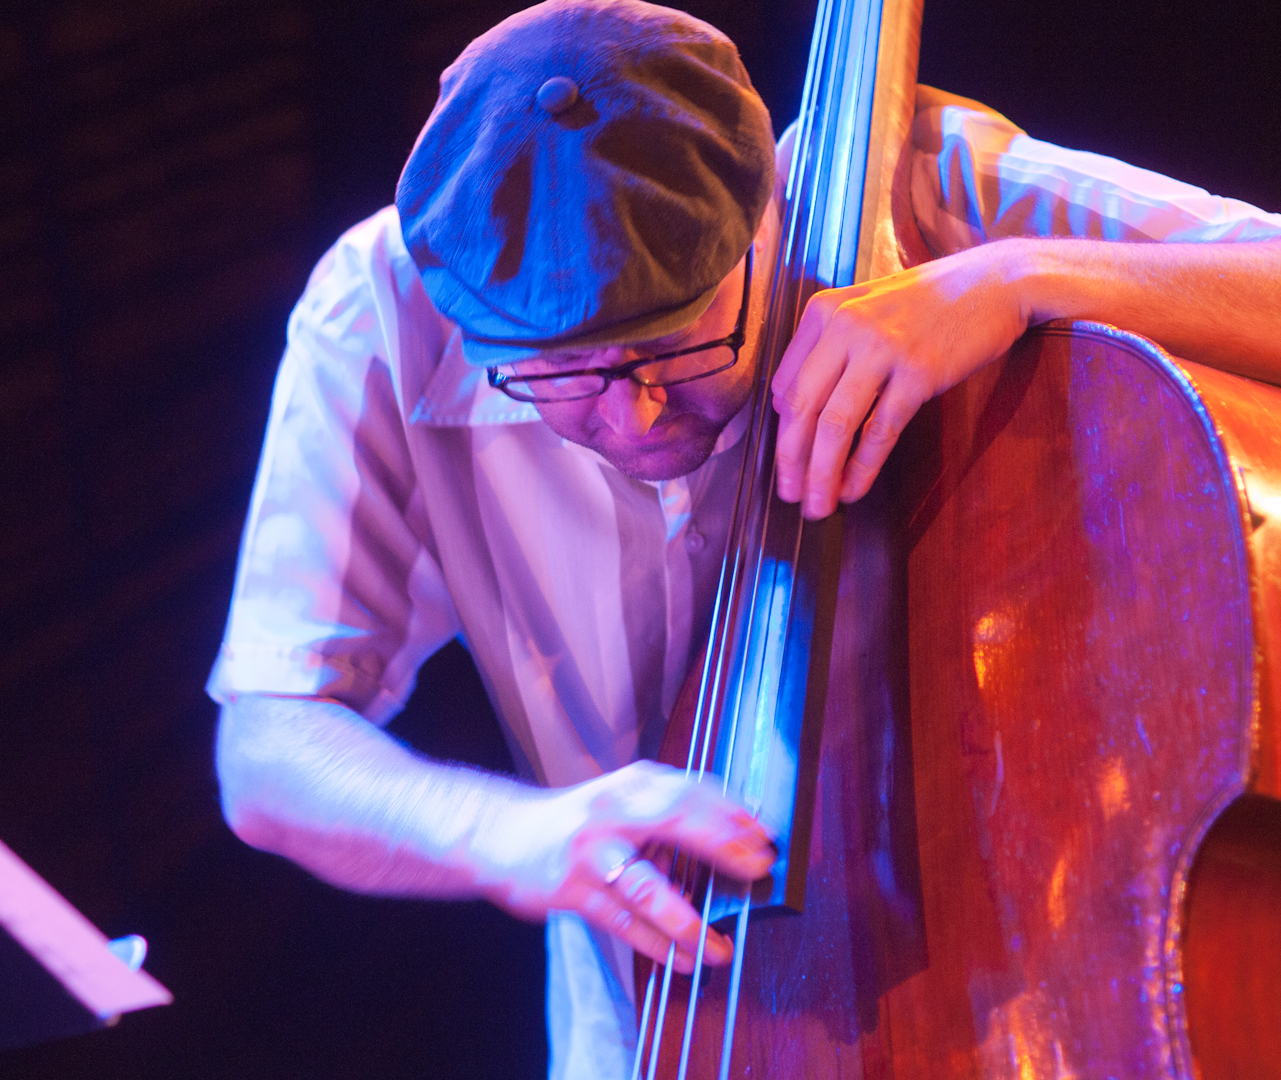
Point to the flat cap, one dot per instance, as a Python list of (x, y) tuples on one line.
[(592, 170)]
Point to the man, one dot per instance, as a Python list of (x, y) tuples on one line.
[(510, 408)]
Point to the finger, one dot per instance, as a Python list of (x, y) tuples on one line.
[(793, 404), (807, 334), (705, 824), (834, 435), (898, 403), (603, 909), (651, 897), (818, 311), (611, 857), (647, 802), (799, 407), (823, 408)]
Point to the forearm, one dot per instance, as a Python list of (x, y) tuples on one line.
[(317, 783), (865, 358), (1217, 304)]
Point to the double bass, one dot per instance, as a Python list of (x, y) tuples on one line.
[(1013, 716)]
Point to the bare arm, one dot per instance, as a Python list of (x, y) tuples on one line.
[(1217, 304), (316, 782), (878, 351)]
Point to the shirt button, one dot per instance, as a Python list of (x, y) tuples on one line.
[(694, 541)]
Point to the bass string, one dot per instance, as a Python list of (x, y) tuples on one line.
[(778, 316), (661, 1014), (801, 154), (801, 160), (813, 152), (717, 660), (702, 733), (735, 981), (744, 912), (643, 1026), (731, 743), (736, 971), (691, 1008), (715, 667)]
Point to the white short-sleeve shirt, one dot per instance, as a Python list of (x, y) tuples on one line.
[(400, 502)]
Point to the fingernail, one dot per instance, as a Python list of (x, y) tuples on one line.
[(767, 855), (719, 948)]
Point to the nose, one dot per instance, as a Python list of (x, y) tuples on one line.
[(631, 409)]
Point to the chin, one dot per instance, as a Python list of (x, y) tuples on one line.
[(660, 463), (673, 447)]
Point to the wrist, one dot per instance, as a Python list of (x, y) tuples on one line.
[(1057, 278), (506, 826), (1029, 276)]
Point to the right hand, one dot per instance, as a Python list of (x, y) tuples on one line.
[(555, 850)]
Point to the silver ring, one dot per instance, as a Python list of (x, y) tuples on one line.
[(616, 871)]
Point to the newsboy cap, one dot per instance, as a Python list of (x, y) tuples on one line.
[(592, 171)]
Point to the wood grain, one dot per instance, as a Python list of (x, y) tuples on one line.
[(1046, 688)]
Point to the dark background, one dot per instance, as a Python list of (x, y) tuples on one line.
[(169, 172)]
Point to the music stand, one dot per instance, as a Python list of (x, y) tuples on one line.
[(58, 974)]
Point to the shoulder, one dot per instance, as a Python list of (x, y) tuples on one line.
[(977, 177), (940, 115), (364, 303), (369, 268)]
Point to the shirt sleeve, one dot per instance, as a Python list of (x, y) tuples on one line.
[(977, 177), (338, 592)]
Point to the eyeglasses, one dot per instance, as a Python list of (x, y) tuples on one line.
[(663, 369)]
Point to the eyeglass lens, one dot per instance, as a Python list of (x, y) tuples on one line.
[(667, 372)]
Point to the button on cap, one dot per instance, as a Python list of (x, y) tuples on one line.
[(694, 541), (557, 94)]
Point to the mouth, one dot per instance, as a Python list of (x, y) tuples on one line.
[(671, 447), (664, 431)]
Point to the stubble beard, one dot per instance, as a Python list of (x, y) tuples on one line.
[(680, 453), (681, 459)]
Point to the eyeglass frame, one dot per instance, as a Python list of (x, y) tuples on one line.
[(734, 340)]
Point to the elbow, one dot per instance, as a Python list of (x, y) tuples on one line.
[(257, 828), (244, 782), (268, 801)]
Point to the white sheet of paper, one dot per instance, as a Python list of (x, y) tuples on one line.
[(69, 945)]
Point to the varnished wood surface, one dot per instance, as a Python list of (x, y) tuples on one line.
[(1232, 946), (888, 238), (1230, 961), (1046, 688), (1247, 416), (1083, 706)]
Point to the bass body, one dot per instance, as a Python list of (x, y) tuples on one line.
[(1046, 837)]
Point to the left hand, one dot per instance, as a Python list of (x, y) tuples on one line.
[(872, 354)]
